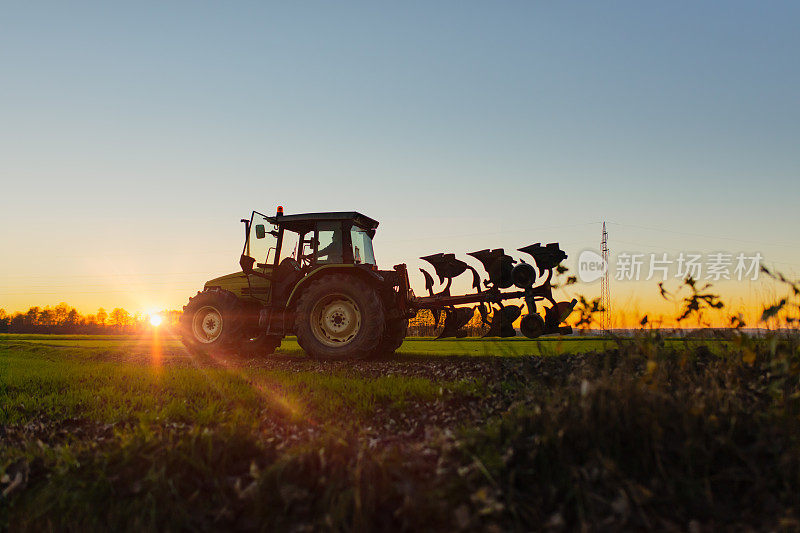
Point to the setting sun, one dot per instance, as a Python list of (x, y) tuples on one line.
[(155, 320)]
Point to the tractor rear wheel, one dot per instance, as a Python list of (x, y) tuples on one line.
[(393, 337), (339, 317), (210, 323)]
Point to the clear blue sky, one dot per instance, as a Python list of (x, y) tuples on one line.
[(134, 136)]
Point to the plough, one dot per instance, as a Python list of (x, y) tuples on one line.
[(504, 272)]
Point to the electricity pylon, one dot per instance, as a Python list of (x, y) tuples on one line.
[(605, 289)]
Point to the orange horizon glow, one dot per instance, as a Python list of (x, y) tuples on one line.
[(630, 303)]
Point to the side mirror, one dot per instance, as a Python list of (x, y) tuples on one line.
[(260, 231), (246, 263)]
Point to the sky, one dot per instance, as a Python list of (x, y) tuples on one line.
[(134, 136)]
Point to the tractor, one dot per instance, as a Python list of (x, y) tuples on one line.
[(314, 276)]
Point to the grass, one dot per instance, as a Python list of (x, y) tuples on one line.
[(415, 346), (62, 381), (650, 433)]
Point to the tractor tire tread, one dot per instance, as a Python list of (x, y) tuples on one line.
[(372, 327), (229, 305), (395, 333)]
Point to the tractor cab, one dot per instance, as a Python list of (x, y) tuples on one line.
[(338, 238), (309, 239), (279, 250)]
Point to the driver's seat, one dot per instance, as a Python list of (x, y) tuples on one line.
[(284, 278)]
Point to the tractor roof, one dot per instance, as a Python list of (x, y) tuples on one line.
[(306, 221)]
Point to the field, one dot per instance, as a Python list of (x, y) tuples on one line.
[(135, 434)]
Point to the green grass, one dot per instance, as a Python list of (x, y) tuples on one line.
[(412, 345), (177, 410), (69, 380), (120, 433)]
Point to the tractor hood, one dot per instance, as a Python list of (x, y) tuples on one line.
[(227, 278), (235, 283)]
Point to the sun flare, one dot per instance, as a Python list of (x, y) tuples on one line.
[(156, 320)]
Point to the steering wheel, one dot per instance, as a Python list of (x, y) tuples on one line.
[(289, 263)]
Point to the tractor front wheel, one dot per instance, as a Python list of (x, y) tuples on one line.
[(210, 323), (339, 317)]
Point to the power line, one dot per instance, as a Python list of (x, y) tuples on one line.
[(706, 236)]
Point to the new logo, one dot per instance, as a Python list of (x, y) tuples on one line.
[(591, 266)]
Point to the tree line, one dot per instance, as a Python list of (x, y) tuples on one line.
[(424, 325), (64, 318)]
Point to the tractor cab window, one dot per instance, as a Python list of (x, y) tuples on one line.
[(329, 243), (289, 246), (261, 240), (362, 247)]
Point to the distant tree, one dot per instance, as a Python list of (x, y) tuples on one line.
[(475, 327), (422, 325), (73, 318), (19, 322), (60, 313), (102, 316), (120, 318), (5, 321), (31, 317), (173, 316), (46, 317)]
